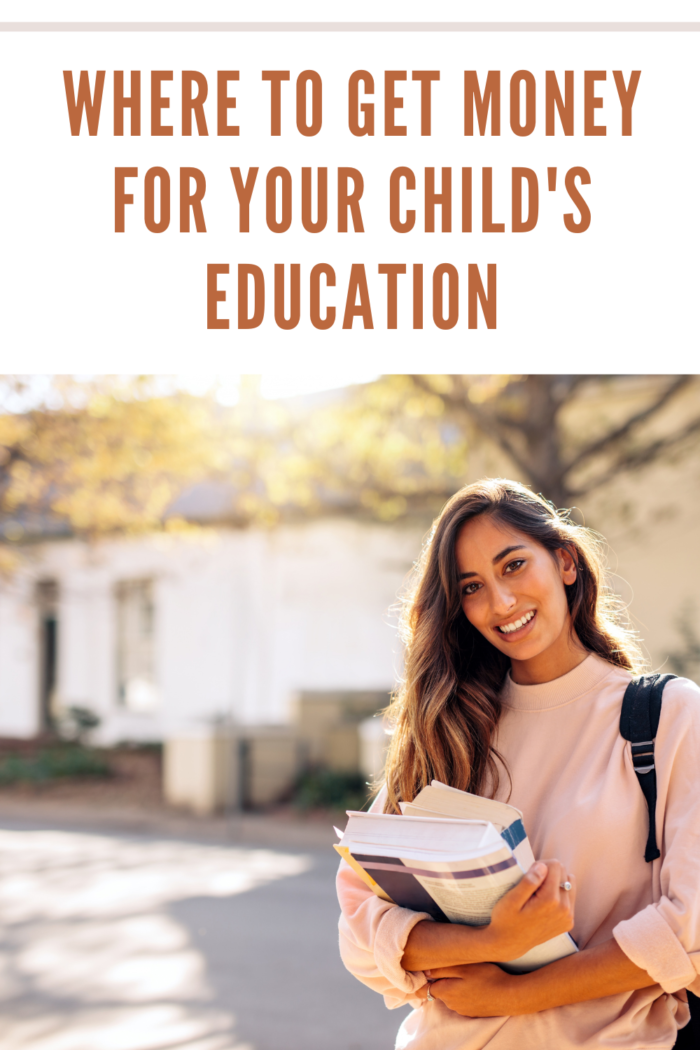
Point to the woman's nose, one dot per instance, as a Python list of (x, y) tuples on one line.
[(503, 600)]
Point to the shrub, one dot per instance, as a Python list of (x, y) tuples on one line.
[(329, 789), (53, 763)]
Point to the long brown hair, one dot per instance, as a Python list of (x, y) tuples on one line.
[(447, 708)]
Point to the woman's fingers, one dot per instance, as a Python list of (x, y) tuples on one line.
[(477, 990), (532, 912), (438, 989), (529, 885), (448, 990), (542, 882), (441, 972), (550, 889), (557, 902)]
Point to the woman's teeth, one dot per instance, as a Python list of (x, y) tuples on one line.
[(517, 623)]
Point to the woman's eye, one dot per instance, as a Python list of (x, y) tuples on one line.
[(471, 588), (512, 565)]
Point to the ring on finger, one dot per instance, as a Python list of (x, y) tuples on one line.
[(565, 885)]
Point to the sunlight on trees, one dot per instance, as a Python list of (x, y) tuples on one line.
[(113, 454)]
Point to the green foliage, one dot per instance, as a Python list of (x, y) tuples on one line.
[(51, 764), (105, 455), (328, 789)]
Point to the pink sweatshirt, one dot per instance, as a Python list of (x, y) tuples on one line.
[(572, 777)]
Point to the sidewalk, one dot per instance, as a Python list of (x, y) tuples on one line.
[(285, 829), (128, 928)]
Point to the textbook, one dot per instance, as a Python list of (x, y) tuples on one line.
[(439, 800), (451, 866)]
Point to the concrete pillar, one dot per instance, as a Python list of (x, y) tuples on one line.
[(202, 772), (213, 771)]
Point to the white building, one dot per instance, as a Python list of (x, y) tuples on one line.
[(158, 633)]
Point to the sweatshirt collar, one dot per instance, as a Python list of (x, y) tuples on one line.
[(589, 673)]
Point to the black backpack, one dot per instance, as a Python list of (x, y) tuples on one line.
[(639, 721)]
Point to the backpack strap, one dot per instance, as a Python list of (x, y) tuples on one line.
[(639, 722)]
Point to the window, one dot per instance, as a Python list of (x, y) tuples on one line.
[(136, 681), (47, 602)]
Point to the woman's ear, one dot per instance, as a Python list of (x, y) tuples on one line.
[(567, 565)]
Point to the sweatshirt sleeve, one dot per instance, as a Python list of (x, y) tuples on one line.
[(664, 938), (373, 935)]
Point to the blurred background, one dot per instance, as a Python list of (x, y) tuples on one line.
[(199, 588)]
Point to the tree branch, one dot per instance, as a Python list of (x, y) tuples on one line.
[(572, 385), (638, 458), (620, 432), (488, 424)]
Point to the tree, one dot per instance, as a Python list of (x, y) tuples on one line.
[(405, 440), (99, 457), (113, 455)]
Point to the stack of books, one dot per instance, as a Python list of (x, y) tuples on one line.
[(450, 854)]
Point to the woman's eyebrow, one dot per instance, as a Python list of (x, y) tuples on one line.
[(499, 557), (508, 550)]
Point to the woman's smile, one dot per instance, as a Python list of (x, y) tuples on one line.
[(518, 626)]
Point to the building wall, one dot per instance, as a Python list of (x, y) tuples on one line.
[(652, 525), (243, 621), (19, 663)]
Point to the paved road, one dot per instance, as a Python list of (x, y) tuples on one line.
[(139, 942)]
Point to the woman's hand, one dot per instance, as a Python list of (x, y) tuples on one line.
[(529, 914), (534, 911), (484, 990), (478, 990)]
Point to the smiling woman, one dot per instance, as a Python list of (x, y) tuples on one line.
[(515, 598), (517, 660)]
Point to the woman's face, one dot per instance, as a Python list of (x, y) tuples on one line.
[(512, 591)]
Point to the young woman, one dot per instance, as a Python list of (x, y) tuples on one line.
[(516, 666)]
